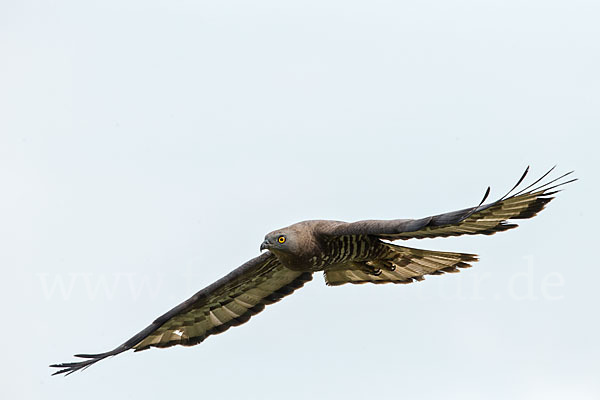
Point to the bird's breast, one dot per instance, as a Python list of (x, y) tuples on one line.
[(341, 249)]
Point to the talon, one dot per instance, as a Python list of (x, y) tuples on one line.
[(389, 266), (372, 268)]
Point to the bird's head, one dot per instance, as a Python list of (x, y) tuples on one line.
[(283, 240)]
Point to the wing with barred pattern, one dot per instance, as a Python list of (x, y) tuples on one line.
[(485, 219), (228, 302)]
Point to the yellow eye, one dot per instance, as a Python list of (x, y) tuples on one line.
[(281, 239)]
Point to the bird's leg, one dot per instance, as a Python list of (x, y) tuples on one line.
[(390, 266), (376, 266)]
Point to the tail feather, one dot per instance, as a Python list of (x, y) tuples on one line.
[(400, 265)]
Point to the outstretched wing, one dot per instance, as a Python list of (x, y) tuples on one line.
[(485, 219), (228, 302)]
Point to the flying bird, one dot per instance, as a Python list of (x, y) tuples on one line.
[(357, 252)]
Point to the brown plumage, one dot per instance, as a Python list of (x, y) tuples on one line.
[(355, 252)]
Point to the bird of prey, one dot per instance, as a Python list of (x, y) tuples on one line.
[(357, 252)]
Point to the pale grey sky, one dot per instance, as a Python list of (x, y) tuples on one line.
[(146, 147)]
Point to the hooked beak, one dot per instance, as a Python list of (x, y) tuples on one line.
[(264, 245)]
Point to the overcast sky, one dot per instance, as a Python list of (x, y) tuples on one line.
[(146, 147)]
